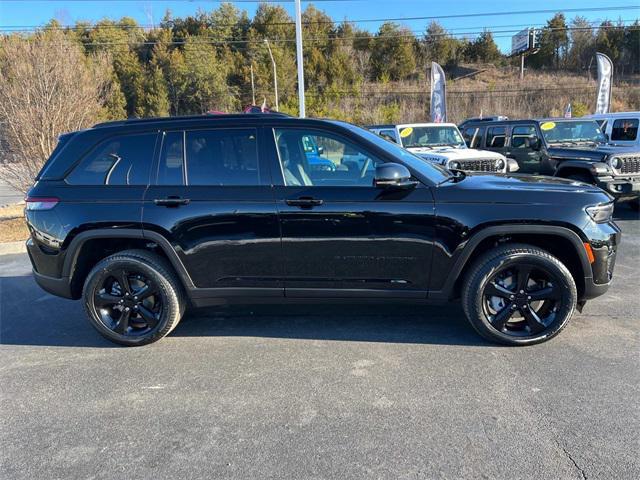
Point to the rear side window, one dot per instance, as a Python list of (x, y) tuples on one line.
[(523, 136), (123, 160), (171, 166), (496, 137), (625, 129)]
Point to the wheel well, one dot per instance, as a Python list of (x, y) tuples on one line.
[(568, 171), (96, 249), (558, 246)]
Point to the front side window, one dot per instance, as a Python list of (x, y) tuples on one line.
[(124, 160), (625, 129), (472, 137), (496, 137), (389, 134), (334, 162), (523, 136)]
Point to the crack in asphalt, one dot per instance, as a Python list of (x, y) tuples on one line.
[(575, 464)]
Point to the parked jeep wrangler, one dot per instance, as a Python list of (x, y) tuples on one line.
[(568, 148), (442, 143), (142, 218)]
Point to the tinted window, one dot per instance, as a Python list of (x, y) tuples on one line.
[(340, 163), (472, 137), (124, 160), (171, 167), (523, 136), (496, 137), (389, 135), (625, 129), (223, 157)]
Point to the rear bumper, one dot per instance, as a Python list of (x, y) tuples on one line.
[(59, 287)]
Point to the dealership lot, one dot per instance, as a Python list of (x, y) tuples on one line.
[(319, 392)]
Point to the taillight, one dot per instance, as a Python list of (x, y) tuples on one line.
[(41, 203)]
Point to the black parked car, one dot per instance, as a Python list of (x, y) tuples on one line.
[(569, 148), (142, 218)]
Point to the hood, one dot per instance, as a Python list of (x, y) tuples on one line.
[(450, 153), (524, 189), (595, 154)]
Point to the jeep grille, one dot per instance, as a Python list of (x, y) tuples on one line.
[(630, 164), (478, 165)]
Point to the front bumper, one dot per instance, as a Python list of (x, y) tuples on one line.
[(604, 259), (60, 287), (620, 187)]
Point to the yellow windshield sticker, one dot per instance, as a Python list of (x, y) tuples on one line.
[(406, 132), (548, 125)]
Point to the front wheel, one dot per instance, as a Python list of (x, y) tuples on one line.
[(133, 298), (519, 295)]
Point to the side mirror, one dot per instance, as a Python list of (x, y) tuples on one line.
[(393, 175), (320, 150)]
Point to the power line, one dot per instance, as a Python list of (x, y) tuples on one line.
[(435, 17)]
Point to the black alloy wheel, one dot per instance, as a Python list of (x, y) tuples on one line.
[(519, 294), (133, 297), (128, 303)]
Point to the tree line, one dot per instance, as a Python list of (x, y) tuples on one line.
[(204, 62)]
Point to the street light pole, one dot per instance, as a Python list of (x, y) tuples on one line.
[(275, 73), (299, 60)]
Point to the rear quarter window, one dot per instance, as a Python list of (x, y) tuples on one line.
[(625, 129), (121, 160)]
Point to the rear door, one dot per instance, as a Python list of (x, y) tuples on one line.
[(212, 199), (496, 139)]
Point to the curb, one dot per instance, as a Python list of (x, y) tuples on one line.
[(10, 248)]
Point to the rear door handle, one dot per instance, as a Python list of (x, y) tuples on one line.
[(304, 202), (171, 201)]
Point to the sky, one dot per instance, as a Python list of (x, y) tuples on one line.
[(26, 13)]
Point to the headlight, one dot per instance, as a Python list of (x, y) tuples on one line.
[(615, 162), (454, 165), (601, 213), (499, 164)]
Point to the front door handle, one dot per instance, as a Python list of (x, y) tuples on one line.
[(304, 202), (171, 201)]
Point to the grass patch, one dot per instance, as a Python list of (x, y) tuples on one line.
[(12, 225)]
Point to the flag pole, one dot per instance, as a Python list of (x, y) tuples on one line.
[(299, 60)]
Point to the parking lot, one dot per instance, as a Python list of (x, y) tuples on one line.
[(319, 392)]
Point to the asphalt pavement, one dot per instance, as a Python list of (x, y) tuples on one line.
[(347, 392)]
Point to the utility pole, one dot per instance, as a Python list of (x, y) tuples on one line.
[(299, 60), (275, 74), (522, 66), (253, 88)]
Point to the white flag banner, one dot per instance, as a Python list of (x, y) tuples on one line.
[(605, 74), (438, 94)]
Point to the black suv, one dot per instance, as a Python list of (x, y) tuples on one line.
[(569, 148), (142, 218)]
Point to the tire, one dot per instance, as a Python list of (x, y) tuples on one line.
[(582, 177), (147, 308), (499, 271)]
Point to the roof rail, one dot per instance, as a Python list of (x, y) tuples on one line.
[(137, 121)]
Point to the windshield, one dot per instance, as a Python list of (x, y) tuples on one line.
[(432, 171), (575, 131), (413, 137)]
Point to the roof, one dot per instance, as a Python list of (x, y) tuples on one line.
[(515, 122), (614, 115)]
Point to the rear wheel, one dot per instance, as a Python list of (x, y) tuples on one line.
[(133, 298), (519, 295)]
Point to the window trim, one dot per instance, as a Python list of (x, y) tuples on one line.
[(328, 134)]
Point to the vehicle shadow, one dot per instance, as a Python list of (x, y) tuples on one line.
[(623, 211), (29, 316)]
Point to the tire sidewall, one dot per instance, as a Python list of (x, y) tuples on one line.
[(168, 296), (567, 285)]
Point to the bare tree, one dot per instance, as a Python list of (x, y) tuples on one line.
[(47, 87)]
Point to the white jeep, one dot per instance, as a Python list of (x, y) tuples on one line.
[(442, 143)]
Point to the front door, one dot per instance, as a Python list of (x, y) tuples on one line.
[(213, 201), (523, 149), (341, 236)]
